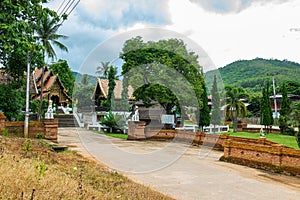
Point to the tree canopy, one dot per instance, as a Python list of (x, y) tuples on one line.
[(235, 107), (62, 69), (163, 71)]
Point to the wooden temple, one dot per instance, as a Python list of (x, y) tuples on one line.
[(53, 88)]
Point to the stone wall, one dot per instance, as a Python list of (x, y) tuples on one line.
[(47, 127), (263, 154)]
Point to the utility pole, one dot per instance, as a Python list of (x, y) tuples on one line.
[(27, 97), (274, 93)]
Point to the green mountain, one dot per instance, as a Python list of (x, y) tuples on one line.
[(93, 79), (251, 74)]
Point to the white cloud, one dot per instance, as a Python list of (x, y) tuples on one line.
[(262, 30), (244, 30)]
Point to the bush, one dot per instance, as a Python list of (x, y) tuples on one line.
[(113, 121), (289, 131)]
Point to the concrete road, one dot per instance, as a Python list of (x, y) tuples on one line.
[(180, 170)]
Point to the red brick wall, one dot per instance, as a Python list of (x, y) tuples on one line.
[(47, 127), (261, 153)]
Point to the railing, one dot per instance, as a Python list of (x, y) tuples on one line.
[(216, 129), (77, 117)]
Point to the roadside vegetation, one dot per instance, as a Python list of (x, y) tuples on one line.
[(30, 170)]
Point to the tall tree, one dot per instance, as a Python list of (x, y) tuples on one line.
[(46, 29), (111, 86), (296, 118), (103, 69), (158, 70), (215, 108), (85, 80), (235, 107), (285, 109), (17, 20), (204, 112), (266, 115)]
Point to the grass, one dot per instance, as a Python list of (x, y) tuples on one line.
[(188, 122), (29, 170), (117, 135), (286, 140)]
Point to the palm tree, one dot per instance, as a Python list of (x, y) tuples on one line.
[(46, 30), (102, 70), (235, 107), (46, 34)]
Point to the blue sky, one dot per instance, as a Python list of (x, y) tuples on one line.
[(224, 30)]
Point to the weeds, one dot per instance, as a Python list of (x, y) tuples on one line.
[(40, 136), (40, 170), (27, 147), (64, 175)]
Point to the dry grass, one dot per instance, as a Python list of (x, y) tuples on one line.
[(29, 170)]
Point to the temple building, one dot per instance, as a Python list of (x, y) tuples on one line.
[(101, 91), (53, 88)]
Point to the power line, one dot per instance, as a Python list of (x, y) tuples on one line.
[(68, 9), (62, 3)]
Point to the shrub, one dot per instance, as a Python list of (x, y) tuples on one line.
[(40, 136), (113, 121)]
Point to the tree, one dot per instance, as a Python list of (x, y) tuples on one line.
[(204, 114), (65, 74), (266, 115), (158, 70), (285, 109), (215, 108), (103, 69), (16, 34), (17, 43), (11, 102), (46, 29), (83, 95), (296, 118), (235, 107), (85, 80), (111, 86)]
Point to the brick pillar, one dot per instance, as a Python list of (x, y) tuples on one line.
[(2, 121), (51, 129), (136, 130)]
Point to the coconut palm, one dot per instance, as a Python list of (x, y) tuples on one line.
[(235, 107), (46, 34), (102, 70)]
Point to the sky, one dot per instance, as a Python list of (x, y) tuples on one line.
[(219, 31)]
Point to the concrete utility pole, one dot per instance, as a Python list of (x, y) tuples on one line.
[(27, 97), (274, 93)]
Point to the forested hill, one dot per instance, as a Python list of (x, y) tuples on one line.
[(252, 73)]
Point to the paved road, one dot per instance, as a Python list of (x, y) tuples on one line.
[(181, 171)]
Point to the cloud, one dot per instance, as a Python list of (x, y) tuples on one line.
[(231, 6), (115, 14)]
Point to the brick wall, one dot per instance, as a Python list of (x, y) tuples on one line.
[(47, 127), (260, 153)]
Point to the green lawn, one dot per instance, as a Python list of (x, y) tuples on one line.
[(286, 140), (117, 135)]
